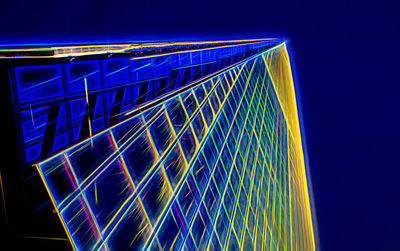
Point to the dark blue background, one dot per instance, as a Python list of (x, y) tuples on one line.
[(346, 59)]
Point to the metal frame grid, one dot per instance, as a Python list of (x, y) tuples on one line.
[(60, 103), (211, 168)]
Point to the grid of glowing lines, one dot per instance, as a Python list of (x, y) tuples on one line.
[(215, 167), (55, 103)]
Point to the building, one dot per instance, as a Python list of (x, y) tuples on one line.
[(164, 145)]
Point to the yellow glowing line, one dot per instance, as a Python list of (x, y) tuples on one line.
[(244, 166), (207, 97), (278, 97), (245, 223), (192, 128), (274, 181), (60, 52), (117, 213), (92, 216), (86, 92), (56, 208), (238, 195), (26, 49), (290, 192), (255, 163), (262, 175), (143, 211), (216, 95), (97, 134), (95, 193), (195, 50), (147, 106), (118, 210), (128, 132), (295, 134), (173, 243), (230, 74), (163, 171), (136, 45), (183, 107), (84, 197), (219, 155), (218, 239), (264, 230), (236, 74), (227, 82), (204, 88), (305, 186), (44, 238), (195, 245), (194, 136), (115, 155), (201, 111), (173, 143), (130, 180), (72, 170), (138, 233), (171, 127), (90, 133), (274, 191), (188, 117), (235, 155), (121, 218), (172, 95), (209, 100), (153, 146), (234, 235)]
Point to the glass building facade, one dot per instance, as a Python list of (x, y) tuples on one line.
[(186, 146)]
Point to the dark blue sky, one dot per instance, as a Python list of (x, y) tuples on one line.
[(345, 55)]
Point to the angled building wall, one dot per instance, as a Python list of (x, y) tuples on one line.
[(184, 150)]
